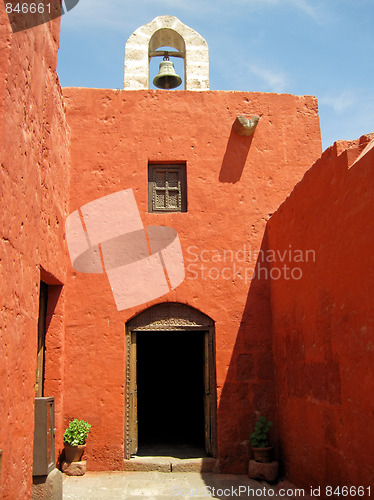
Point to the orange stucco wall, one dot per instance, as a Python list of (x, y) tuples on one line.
[(33, 189), (323, 323), (234, 184), (297, 349)]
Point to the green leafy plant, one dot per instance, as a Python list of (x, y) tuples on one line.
[(77, 432), (258, 438)]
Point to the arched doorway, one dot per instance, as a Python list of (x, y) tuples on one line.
[(170, 382)]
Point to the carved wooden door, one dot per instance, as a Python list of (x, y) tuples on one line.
[(176, 318), (209, 393), (131, 413)]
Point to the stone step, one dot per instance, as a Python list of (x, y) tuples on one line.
[(170, 464)]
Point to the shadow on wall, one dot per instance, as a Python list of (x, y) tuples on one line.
[(323, 323), (248, 391), (235, 157)]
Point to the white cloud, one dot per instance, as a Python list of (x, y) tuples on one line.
[(310, 9), (117, 14), (122, 14), (275, 81), (339, 102), (313, 9)]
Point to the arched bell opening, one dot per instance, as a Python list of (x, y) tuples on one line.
[(170, 383), (166, 32), (166, 45), (175, 59)]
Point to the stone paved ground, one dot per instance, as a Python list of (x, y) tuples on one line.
[(167, 486)]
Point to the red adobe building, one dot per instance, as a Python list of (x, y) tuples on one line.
[(273, 313)]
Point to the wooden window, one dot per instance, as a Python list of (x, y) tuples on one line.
[(167, 191)]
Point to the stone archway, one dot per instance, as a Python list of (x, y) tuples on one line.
[(172, 320), (166, 31)]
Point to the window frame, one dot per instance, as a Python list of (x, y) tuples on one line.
[(182, 190)]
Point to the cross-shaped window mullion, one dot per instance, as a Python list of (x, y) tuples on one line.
[(166, 188)]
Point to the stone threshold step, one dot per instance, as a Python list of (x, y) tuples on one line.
[(170, 464)]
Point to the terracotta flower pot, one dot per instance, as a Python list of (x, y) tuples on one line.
[(74, 453), (263, 455)]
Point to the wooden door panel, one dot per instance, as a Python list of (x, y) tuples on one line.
[(131, 403)]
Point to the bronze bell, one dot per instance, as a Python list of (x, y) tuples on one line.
[(167, 77)]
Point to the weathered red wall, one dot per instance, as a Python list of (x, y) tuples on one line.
[(234, 184), (34, 180), (323, 323), (320, 327)]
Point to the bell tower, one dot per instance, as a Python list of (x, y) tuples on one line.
[(166, 31)]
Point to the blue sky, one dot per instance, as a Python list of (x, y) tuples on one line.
[(303, 47)]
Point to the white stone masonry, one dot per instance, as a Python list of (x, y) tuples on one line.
[(166, 31)]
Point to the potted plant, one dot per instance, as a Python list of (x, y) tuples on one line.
[(75, 439), (262, 452)]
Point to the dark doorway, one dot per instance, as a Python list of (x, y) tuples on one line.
[(170, 391)]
